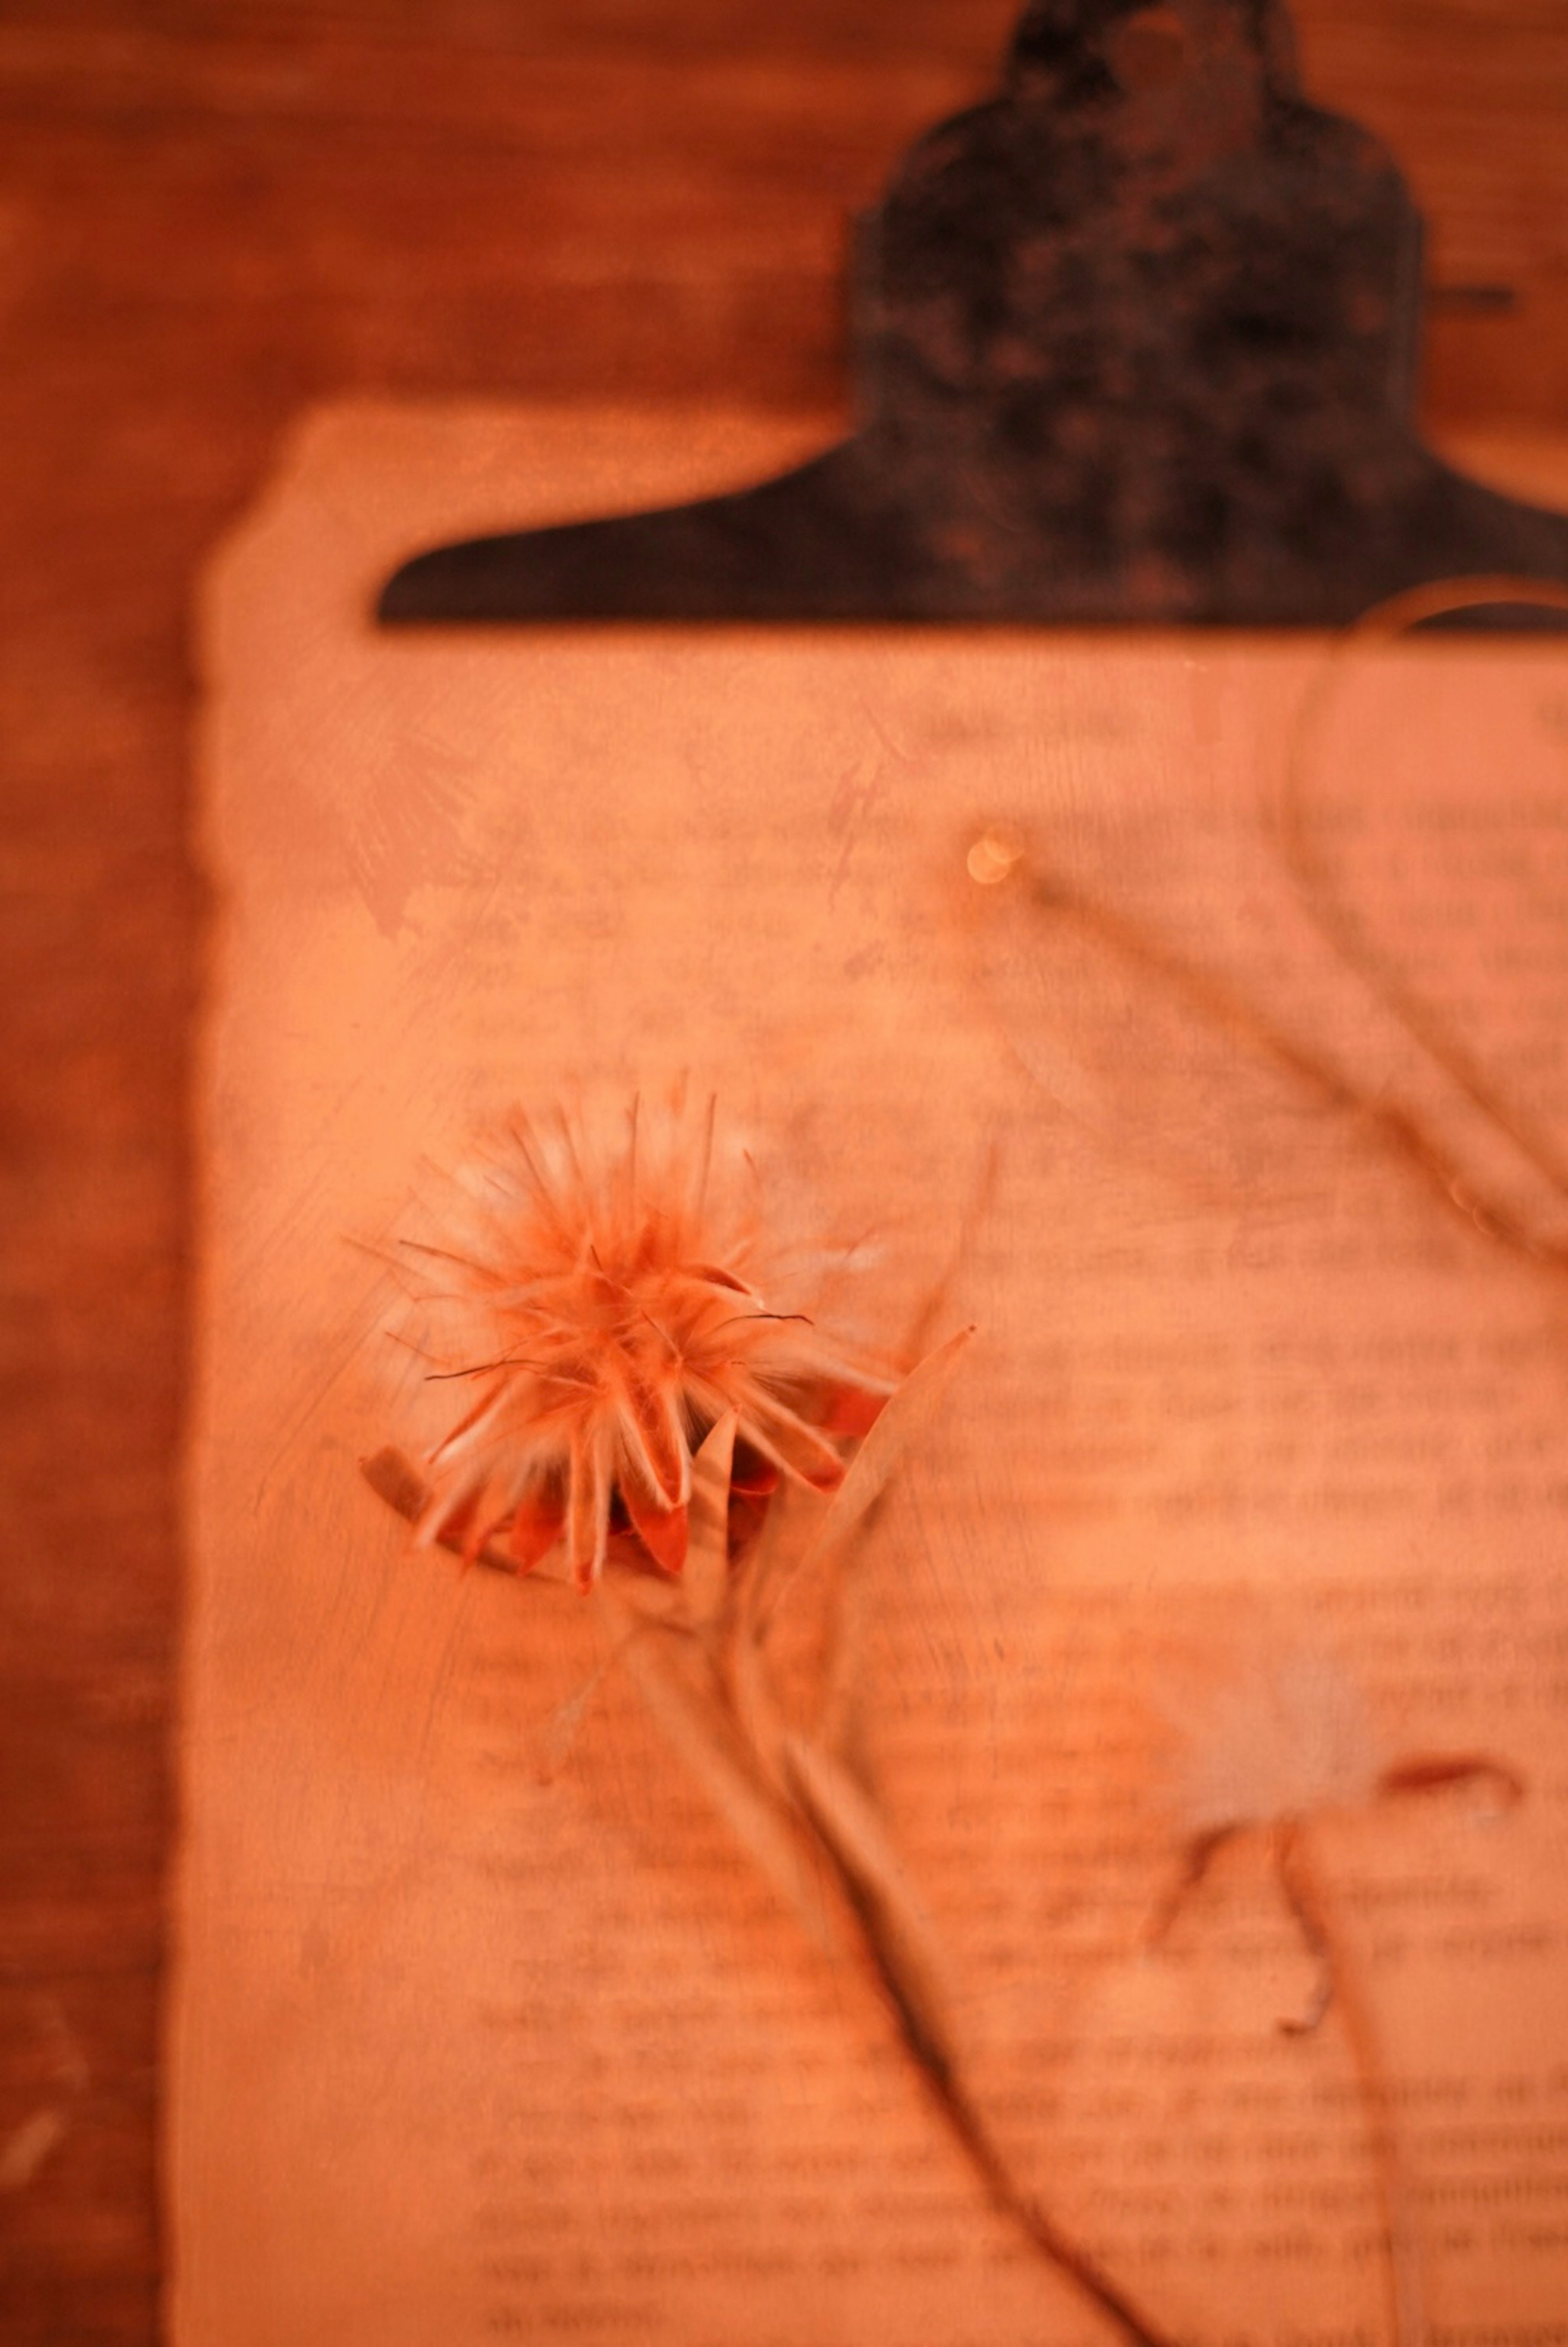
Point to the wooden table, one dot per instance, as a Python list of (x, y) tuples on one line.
[(211, 216)]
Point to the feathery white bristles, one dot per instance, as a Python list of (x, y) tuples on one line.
[(613, 1301)]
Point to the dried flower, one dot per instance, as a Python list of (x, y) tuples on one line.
[(1292, 1738), (1289, 1741), (614, 1303), (634, 1381), (1284, 1745)]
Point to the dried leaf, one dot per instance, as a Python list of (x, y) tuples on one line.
[(663, 1532), (685, 1706), (898, 1933), (909, 1411), (839, 1685), (396, 1480), (760, 1712)]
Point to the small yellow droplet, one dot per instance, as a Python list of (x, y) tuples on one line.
[(993, 858)]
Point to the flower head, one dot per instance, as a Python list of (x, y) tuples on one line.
[(614, 1303)]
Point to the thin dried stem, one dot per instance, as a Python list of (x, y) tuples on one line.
[(787, 1800), (687, 1706), (1197, 1859), (1309, 1923), (1302, 1883), (394, 1478), (895, 1939), (1304, 859), (1227, 1009)]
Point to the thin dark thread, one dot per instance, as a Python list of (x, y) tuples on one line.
[(744, 1320)]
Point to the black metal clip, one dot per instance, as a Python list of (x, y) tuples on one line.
[(1134, 342)]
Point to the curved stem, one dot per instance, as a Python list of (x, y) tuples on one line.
[(1228, 1010), (1312, 1906), (970, 2132), (1379, 628), (847, 1833), (729, 1729)]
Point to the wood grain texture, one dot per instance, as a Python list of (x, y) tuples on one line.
[(210, 216)]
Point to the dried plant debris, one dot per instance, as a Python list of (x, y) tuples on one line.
[(705, 1462), (1176, 1062)]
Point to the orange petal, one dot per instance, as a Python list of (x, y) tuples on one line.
[(537, 1526), (852, 1410), (452, 1519), (477, 1524), (711, 1273), (656, 1442), (472, 1532), (662, 1531), (589, 1512), (747, 1513), (444, 1521), (798, 1447), (752, 1476)]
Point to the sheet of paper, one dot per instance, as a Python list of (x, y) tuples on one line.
[(1252, 1483)]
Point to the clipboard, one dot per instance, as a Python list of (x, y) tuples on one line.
[(1133, 341), (1053, 990)]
